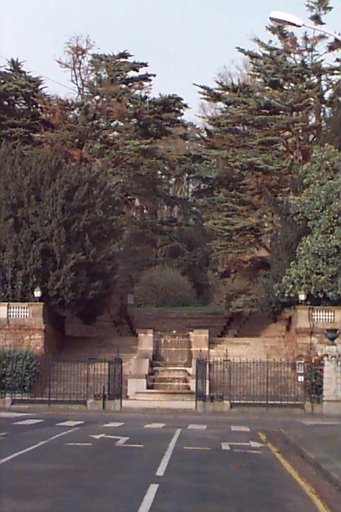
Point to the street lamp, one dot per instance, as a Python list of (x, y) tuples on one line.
[(37, 293), (285, 18), (302, 296)]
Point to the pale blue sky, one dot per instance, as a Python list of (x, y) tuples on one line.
[(184, 41)]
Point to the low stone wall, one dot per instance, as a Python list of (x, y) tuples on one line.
[(179, 320), (252, 348)]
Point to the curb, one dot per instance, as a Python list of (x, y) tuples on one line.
[(327, 472)]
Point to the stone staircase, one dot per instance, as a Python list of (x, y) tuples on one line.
[(170, 372)]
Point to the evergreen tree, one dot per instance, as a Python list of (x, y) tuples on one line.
[(21, 105), (58, 230), (145, 146), (261, 127)]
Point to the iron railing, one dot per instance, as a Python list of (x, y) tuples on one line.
[(258, 382), (68, 381)]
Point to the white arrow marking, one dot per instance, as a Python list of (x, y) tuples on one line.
[(252, 444), (121, 440)]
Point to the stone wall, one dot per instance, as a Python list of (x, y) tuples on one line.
[(28, 325)]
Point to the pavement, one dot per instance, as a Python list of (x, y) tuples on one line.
[(318, 439)]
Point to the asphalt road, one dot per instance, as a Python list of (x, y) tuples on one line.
[(122, 462)]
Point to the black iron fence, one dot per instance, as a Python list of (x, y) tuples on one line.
[(67, 381), (258, 382)]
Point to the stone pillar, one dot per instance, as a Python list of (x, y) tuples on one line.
[(137, 380), (200, 345), (145, 343), (332, 381)]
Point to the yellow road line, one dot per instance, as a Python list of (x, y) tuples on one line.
[(303, 483)]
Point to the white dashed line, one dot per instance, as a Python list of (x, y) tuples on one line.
[(69, 423), (197, 427), (168, 453), (154, 425), (113, 424), (78, 444), (148, 498), (5, 414), (239, 428), (28, 422), (196, 448)]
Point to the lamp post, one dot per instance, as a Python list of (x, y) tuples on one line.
[(37, 293), (285, 18)]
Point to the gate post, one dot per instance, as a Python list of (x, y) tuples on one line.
[(115, 381), (332, 381), (200, 380)]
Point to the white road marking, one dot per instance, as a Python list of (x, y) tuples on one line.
[(121, 440), (113, 424), (154, 425), (78, 444), (168, 453), (5, 414), (247, 451), (148, 498), (196, 448), (194, 426), (3, 434), (251, 444), (239, 428), (69, 423), (319, 422), (10, 457), (28, 422)]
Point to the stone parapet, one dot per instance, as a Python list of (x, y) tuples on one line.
[(28, 325)]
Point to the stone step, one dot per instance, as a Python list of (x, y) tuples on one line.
[(169, 395), (132, 403)]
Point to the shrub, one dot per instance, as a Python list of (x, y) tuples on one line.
[(164, 287), (19, 368)]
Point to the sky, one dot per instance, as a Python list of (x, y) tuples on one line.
[(185, 42)]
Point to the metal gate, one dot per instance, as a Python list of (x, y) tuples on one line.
[(263, 383)]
